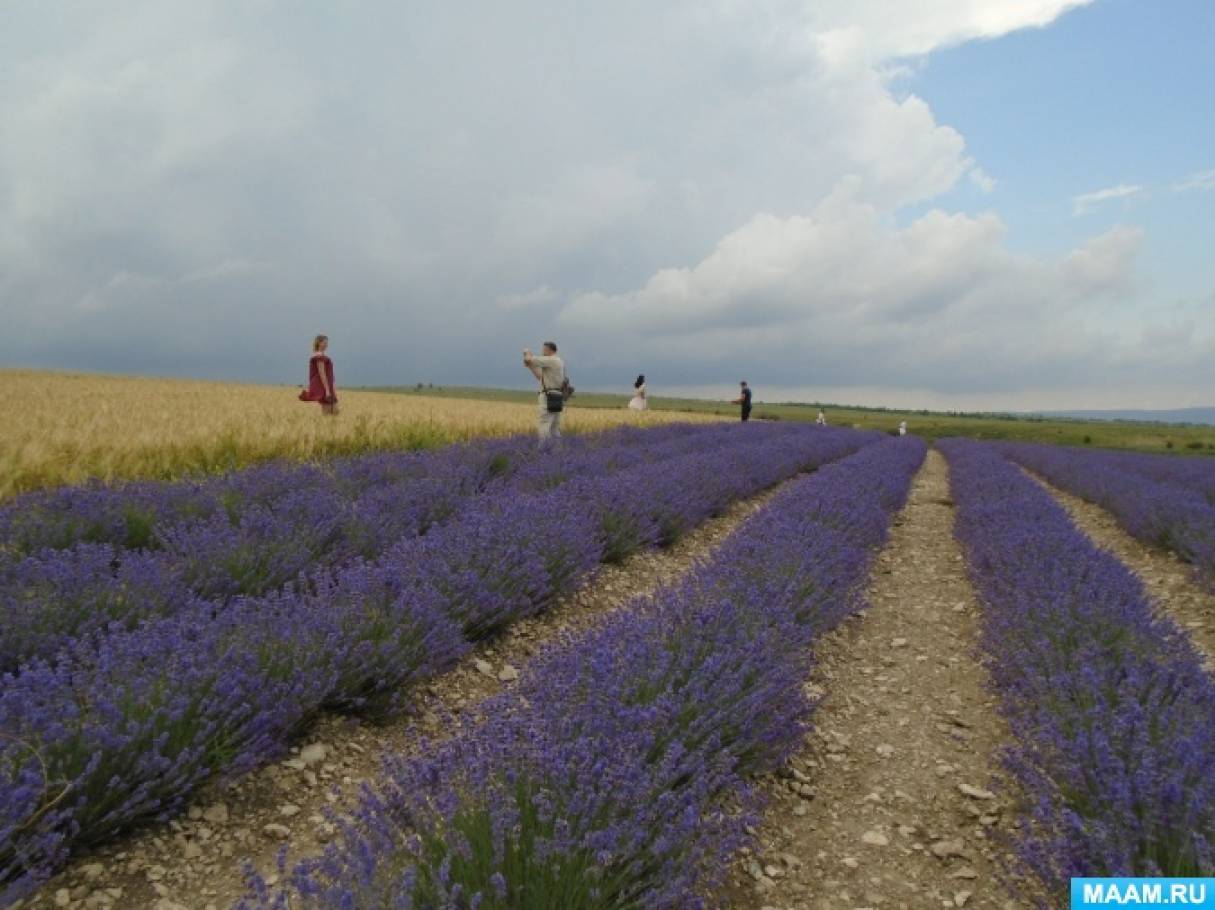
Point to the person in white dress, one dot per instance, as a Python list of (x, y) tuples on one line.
[(638, 401), (902, 427), (821, 420)]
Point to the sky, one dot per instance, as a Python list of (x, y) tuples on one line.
[(974, 204)]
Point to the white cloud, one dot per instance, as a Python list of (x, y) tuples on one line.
[(983, 181), (907, 29), (846, 298), (1102, 266), (1201, 181), (1087, 201)]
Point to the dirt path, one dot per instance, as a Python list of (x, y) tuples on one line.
[(195, 861), (890, 804), (1168, 579)]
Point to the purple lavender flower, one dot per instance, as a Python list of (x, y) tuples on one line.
[(1112, 715), (616, 773), (55, 596), (142, 673), (1161, 500)]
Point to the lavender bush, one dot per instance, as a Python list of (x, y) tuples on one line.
[(616, 775), (1112, 714), (126, 721), (262, 551), (128, 729), (510, 558), (369, 631), (130, 514), (1150, 500), (1197, 473), (219, 549), (125, 515), (55, 597)]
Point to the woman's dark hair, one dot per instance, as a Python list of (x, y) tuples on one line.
[(640, 381)]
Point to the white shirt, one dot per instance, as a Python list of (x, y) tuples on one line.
[(552, 370)]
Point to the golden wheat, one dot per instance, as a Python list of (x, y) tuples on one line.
[(71, 427)]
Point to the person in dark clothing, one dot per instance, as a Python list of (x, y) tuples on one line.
[(744, 399)]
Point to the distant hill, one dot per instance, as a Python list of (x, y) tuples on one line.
[(1178, 415)]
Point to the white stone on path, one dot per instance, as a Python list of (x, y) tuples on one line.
[(313, 753), (975, 792), (947, 848)]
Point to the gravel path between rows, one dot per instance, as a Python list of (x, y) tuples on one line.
[(1170, 581), (896, 800), (195, 862)]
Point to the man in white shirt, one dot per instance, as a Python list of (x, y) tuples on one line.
[(550, 370)]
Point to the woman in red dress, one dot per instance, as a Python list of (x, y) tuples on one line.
[(320, 377)]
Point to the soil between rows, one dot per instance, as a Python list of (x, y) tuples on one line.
[(196, 862), (896, 800), (1170, 582)]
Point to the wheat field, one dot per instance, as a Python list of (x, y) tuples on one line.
[(71, 427)]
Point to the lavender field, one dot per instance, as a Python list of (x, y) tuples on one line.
[(157, 636), (1111, 711), (165, 644), (690, 694)]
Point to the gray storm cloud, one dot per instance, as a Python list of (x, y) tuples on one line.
[(200, 188)]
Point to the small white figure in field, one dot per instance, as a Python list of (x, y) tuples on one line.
[(638, 402), (821, 419), (902, 427)]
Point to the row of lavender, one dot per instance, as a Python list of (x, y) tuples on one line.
[(134, 515), (1188, 471), (126, 725), (83, 560), (1112, 715), (1159, 499), (618, 774)]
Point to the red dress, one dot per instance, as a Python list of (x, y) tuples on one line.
[(316, 388)]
